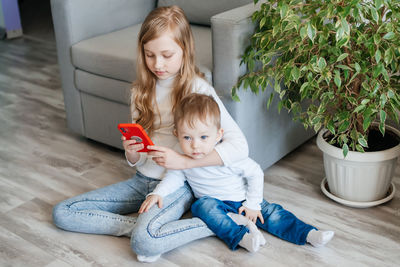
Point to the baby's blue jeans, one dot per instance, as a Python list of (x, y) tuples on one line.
[(277, 221)]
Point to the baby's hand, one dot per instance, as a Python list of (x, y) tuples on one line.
[(149, 202), (250, 214)]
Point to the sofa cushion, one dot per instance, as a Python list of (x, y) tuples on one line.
[(113, 55), (200, 12), (107, 88)]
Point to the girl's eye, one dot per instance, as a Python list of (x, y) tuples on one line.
[(204, 137), (149, 55), (167, 56), (186, 138)]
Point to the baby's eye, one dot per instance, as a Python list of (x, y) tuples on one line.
[(187, 138), (204, 137)]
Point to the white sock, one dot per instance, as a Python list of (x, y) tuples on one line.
[(142, 258), (251, 242), (319, 238), (242, 220)]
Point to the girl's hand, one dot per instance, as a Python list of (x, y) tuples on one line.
[(131, 149), (250, 214), (149, 202), (168, 158)]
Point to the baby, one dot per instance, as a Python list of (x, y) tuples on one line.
[(224, 193)]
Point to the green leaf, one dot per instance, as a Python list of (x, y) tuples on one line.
[(382, 128), (337, 79), (317, 127), (271, 97), (388, 56), (311, 31), (344, 67), (377, 70), (378, 3), (345, 149), (362, 142), (303, 86), (382, 116), (341, 57), (375, 14), (321, 63), (383, 100), (360, 148), (303, 32), (390, 94), (277, 87), (357, 67), (367, 122), (280, 105), (339, 34), (331, 126), (343, 126), (315, 120), (378, 56), (365, 101), (377, 39), (235, 97), (262, 22), (345, 26), (343, 41), (389, 36), (359, 108), (283, 11), (283, 92), (295, 73)]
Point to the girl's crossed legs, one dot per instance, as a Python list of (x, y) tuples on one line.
[(152, 233), (102, 211)]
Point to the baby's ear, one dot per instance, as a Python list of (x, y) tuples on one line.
[(220, 134)]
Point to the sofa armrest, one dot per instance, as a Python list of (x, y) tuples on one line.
[(77, 20), (231, 32)]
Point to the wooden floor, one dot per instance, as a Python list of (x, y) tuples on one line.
[(42, 163)]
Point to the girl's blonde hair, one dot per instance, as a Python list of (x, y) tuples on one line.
[(143, 93)]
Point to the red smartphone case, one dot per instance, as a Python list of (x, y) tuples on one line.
[(135, 131)]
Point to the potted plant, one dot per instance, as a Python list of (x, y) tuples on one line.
[(335, 66)]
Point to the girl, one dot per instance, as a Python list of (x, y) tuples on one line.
[(166, 72)]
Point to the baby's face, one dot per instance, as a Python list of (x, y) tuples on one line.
[(199, 141)]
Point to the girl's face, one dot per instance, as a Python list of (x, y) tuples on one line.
[(163, 56)]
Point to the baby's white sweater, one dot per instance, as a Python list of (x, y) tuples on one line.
[(243, 181), (232, 149)]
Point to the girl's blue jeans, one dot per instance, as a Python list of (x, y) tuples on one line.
[(277, 221), (104, 211)]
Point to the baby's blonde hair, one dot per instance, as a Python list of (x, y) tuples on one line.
[(194, 107), (143, 93)]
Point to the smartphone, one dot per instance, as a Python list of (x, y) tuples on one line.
[(135, 131)]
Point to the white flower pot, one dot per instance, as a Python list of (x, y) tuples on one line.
[(360, 177)]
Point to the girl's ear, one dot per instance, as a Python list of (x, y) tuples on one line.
[(175, 133)]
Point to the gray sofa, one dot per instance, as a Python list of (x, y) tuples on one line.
[(96, 44)]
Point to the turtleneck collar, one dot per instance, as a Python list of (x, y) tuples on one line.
[(166, 82)]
